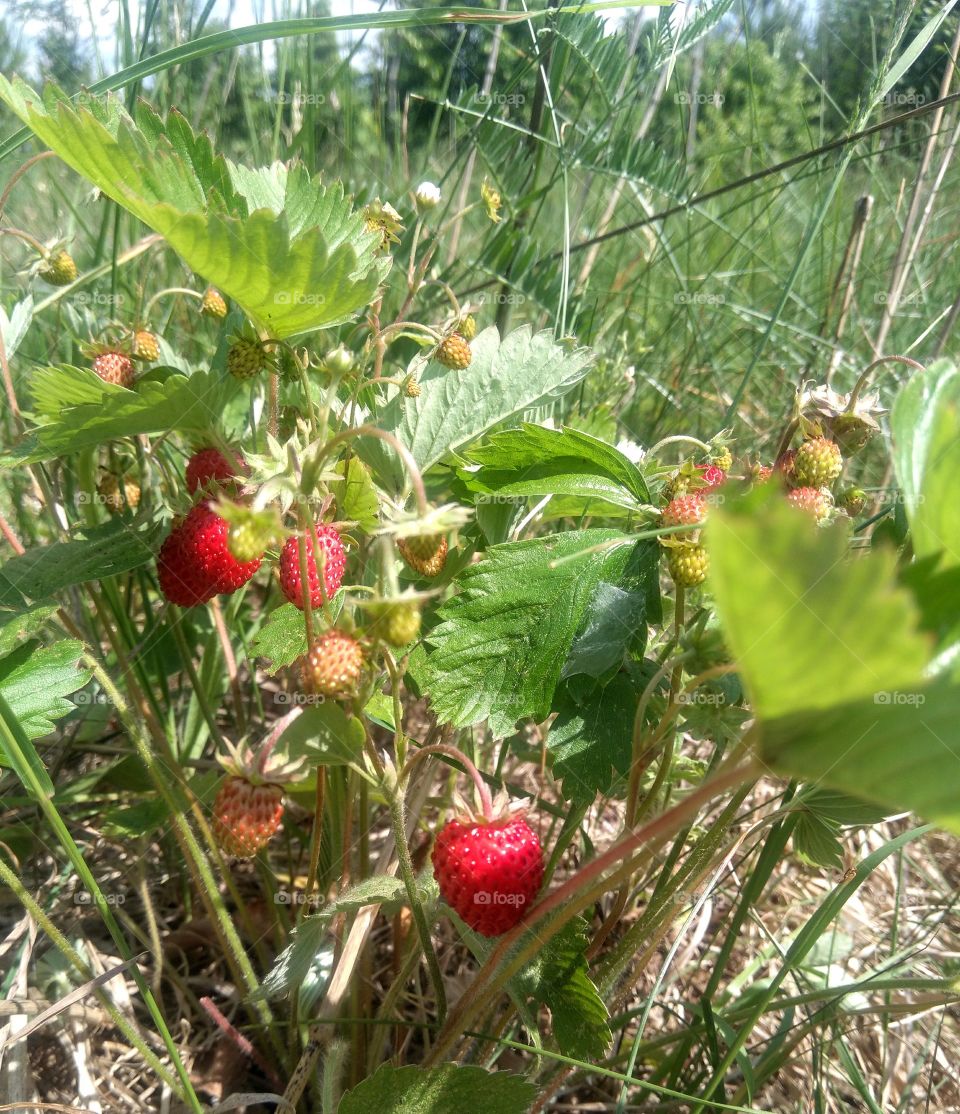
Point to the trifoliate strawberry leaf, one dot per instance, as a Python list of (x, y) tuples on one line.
[(95, 554), (808, 625), (534, 461), (455, 407), (925, 423), (79, 411), (816, 840), (35, 681), (290, 252), (590, 743), (439, 1090), (499, 649)]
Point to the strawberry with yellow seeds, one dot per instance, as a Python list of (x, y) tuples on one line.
[(425, 554), (333, 665), (397, 621), (117, 496), (59, 269), (684, 510), (811, 500), (688, 564), (247, 356), (818, 462), (246, 815), (114, 366), (454, 352), (146, 346), (212, 304)]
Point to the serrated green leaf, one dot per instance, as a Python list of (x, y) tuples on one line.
[(839, 807), (21, 624), (439, 1090), (614, 626), (105, 551), (283, 637), (82, 412), (925, 424), (808, 625), (816, 841), (533, 461), (897, 750), (135, 820), (356, 496), (590, 743), (499, 649), (558, 978), (324, 735), (35, 681), (504, 378), (291, 252), (309, 951)]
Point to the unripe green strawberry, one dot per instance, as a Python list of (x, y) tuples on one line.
[(722, 459), (246, 357), (688, 565), (811, 500), (852, 500), (333, 665), (246, 816), (244, 541), (817, 464), (114, 367), (212, 304), (59, 269), (468, 327), (426, 555), (145, 345), (397, 622), (454, 352)]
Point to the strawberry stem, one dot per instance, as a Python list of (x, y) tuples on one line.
[(486, 801)]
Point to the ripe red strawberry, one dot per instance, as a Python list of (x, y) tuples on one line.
[(812, 500), (208, 466), (333, 665), (114, 367), (488, 872), (713, 475), (426, 555), (182, 581), (246, 816), (331, 551), (195, 563), (454, 352)]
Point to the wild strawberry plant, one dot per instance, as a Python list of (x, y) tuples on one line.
[(336, 564)]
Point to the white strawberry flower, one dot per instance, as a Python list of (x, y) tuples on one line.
[(427, 195)]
